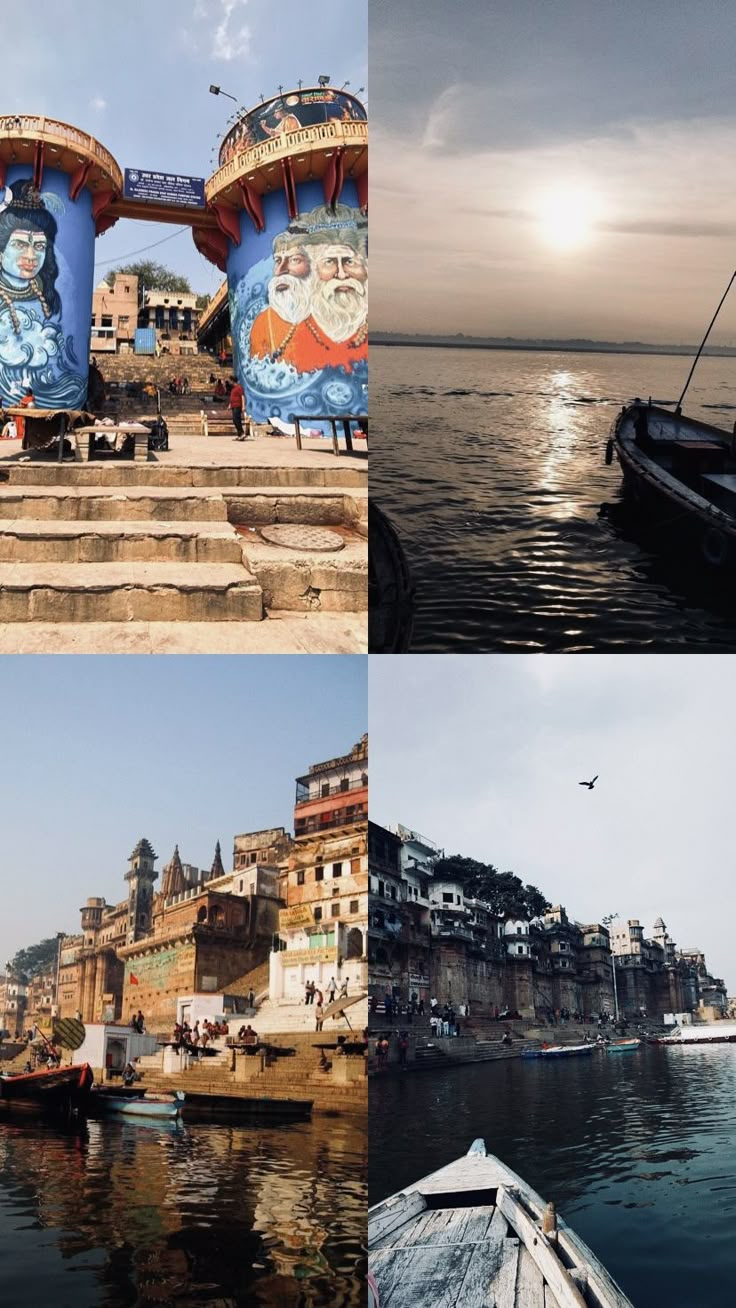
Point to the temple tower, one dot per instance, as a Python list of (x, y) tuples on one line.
[(140, 878), (291, 199), (174, 881)]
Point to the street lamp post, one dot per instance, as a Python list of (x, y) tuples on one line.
[(606, 921)]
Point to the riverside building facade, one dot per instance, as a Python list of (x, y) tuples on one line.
[(322, 931)]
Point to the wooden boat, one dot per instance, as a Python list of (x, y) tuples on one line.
[(139, 1103), (390, 588), (59, 1087), (711, 1033), (623, 1046), (685, 467), (559, 1051), (473, 1234)]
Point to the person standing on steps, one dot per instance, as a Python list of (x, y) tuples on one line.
[(331, 990), (236, 402)]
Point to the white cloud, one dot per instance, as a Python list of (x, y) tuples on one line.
[(231, 37), (98, 103)]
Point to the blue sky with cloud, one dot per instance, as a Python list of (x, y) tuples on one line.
[(136, 75)]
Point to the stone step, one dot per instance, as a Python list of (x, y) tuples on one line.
[(306, 580), (84, 503), (335, 475), (115, 541), (120, 592)]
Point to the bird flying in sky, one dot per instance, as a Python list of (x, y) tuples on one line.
[(589, 784)]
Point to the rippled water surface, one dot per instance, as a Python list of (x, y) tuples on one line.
[(637, 1150), (119, 1213), (491, 464)]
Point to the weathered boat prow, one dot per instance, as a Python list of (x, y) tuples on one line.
[(687, 466), (391, 590), (475, 1233)]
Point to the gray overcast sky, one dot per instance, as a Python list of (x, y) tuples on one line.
[(483, 754), (136, 73), (100, 751), (499, 125)]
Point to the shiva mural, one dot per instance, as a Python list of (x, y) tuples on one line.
[(300, 318), (37, 328)]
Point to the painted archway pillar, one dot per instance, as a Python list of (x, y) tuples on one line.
[(57, 184), (291, 202)]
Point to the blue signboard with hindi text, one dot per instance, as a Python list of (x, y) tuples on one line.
[(164, 188)]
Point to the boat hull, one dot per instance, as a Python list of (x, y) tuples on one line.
[(706, 528), (560, 1051), (459, 1237), (141, 1107), (62, 1087)]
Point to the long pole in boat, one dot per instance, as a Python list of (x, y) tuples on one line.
[(702, 343)]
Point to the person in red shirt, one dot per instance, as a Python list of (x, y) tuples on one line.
[(237, 408)]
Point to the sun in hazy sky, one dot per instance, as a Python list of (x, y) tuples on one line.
[(566, 215)]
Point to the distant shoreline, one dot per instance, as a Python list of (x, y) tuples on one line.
[(549, 347)]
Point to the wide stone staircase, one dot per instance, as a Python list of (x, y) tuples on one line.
[(167, 543), (292, 1076)]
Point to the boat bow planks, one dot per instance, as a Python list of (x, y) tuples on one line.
[(474, 1233)]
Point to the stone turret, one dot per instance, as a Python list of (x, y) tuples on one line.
[(174, 881), (140, 878), (217, 870)]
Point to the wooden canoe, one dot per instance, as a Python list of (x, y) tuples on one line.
[(559, 1051), (475, 1235)]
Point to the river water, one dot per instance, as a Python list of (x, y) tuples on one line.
[(491, 465), (120, 1213), (637, 1150)]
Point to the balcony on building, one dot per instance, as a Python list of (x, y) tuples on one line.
[(330, 804)]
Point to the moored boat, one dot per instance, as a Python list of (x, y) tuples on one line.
[(391, 590), (686, 467), (710, 1033), (558, 1051), (475, 1233), (139, 1104), (623, 1046), (58, 1087)]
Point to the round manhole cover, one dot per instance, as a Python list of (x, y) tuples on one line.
[(293, 536)]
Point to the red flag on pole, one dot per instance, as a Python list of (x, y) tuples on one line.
[(133, 980)]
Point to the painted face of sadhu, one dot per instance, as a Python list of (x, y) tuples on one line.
[(290, 288), (340, 300), (24, 254)]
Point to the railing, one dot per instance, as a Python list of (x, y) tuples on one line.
[(38, 125), (320, 135), (312, 826), (326, 791)]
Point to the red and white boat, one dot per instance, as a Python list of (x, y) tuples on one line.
[(65, 1087)]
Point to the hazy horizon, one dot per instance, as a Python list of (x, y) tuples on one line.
[(560, 171)]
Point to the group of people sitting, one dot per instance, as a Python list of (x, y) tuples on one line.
[(179, 386), (197, 1037)]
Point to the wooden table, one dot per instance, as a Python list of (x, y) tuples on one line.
[(344, 418)]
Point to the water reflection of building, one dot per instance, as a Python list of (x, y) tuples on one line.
[(172, 1211)]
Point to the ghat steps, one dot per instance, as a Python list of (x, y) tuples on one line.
[(158, 542)]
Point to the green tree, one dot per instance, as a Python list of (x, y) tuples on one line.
[(35, 959), (153, 277), (505, 892), (203, 301)]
